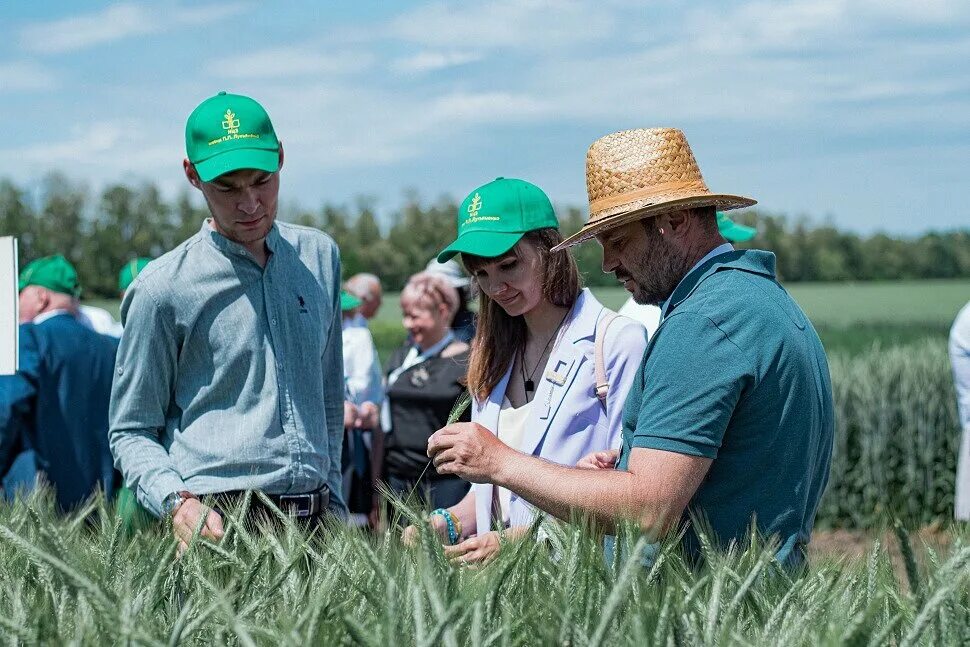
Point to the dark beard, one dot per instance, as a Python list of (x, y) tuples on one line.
[(657, 269)]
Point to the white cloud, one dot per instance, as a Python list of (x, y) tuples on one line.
[(25, 76), (117, 22), (102, 151), (517, 24), (289, 61), (484, 107), (424, 62)]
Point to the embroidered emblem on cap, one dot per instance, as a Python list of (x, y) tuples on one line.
[(230, 123), (475, 205)]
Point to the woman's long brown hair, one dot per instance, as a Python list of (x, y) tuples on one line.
[(498, 336)]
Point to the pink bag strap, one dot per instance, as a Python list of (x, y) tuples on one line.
[(602, 381)]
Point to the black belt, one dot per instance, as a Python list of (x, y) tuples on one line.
[(301, 506)]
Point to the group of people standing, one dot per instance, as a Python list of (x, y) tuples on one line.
[(229, 374)]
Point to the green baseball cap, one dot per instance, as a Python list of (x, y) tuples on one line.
[(52, 272), (229, 132), (733, 231), (131, 269), (348, 301), (493, 218)]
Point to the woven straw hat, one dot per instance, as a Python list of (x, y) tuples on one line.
[(635, 174)]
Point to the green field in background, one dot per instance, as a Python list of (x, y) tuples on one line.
[(850, 317)]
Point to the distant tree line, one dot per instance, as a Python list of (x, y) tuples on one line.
[(99, 233)]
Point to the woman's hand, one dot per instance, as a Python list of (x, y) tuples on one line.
[(438, 524), (605, 460), (475, 550)]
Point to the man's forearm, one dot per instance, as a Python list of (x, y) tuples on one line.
[(603, 495), (146, 466)]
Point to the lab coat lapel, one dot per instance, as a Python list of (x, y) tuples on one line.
[(564, 364)]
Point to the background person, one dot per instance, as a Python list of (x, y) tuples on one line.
[(363, 454), (425, 377), (532, 370), (730, 415), (230, 371), (960, 361), (367, 288), (463, 325), (56, 405)]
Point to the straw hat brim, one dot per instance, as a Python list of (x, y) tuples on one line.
[(644, 209)]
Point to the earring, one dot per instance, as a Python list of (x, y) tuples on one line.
[(661, 231)]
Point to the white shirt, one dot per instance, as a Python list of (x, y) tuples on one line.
[(648, 315), (362, 367), (960, 361), (99, 320), (511, 430)]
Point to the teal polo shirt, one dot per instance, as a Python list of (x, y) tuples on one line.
[(736, 373)]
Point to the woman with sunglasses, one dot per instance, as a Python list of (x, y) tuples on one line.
[(532, 371)]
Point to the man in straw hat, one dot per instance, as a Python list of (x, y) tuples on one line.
[(648, 314), (230, 369), (730, 417)]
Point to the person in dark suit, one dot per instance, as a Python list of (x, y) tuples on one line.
[(57, 403)]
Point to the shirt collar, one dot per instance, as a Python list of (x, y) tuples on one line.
[(437, 348), (753, 261), (227, 246), (50, 314), (357, 321), (717, 251)]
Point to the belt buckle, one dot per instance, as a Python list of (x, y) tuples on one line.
[(299, 505)]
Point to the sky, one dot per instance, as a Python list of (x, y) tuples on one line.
[(853, 111)]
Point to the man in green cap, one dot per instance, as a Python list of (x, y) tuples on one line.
[(129, 272), (56, 405), (229, 374), (99, 319)]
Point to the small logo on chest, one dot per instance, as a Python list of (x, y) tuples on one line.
[(303, 308)]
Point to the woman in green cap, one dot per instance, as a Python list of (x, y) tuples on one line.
[(548, 373)]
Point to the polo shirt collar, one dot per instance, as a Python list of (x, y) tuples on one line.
[(723, 248), (754, 261)]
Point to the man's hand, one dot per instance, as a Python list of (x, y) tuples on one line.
[(368, 416), (475, 550), (350, 415), (468, 450), (605, 460), (186, 519)]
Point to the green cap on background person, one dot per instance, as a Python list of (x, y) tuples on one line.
[(229, 132), (733, 231), (348, 301), (495, 216), (131, 269), (52, 272)]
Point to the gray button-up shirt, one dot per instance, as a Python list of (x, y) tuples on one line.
[(230, 376)]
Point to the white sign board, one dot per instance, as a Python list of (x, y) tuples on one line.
[(9, 344)]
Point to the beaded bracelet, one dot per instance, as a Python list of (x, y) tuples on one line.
[(453, 532)]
